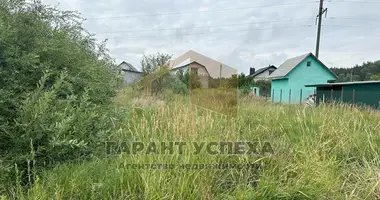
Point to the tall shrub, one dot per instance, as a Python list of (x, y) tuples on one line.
[(61, 116)]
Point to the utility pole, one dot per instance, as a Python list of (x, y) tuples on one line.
[(220, 76), (319, 16)]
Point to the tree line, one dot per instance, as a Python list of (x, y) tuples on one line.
[(365, 72)]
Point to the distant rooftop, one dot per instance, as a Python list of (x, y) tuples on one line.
[(292, 63), (128, 67), (259, 71), (184, 63), (288, 66)]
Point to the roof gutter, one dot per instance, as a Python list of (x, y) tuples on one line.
[(278, 78)]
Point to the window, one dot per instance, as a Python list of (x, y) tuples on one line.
[(194, 70), (308, 63)]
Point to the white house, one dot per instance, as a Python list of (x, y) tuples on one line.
[(263, 73), (205, 67)]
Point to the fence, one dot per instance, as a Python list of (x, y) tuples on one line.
[(291, 96), (358, 97)]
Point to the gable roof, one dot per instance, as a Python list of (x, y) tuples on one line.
[(182, 64), (262, 70), (186, 65), (211, 65), (129, 67), (292, 63)]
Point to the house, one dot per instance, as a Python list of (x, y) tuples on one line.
[(289, 80), (361, 93), (262, 74), (204, 66), (130, 73)]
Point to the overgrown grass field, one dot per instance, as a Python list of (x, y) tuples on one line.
[(61, 104), (327, 152)]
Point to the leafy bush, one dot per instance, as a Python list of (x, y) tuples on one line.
[(265, 87), (61, 116), (35, 39), (51, 130), (244, 91)]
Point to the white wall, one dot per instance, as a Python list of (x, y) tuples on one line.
[(262, 76)]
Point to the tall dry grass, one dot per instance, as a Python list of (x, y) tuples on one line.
[(327, 152)]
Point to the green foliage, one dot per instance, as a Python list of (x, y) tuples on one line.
[(244, 80), (56, 86), (358, 72), (180, 82), (326, 152), (265, 87), (375, 77), (158, 79), (214, 82), (56, 130), (157, 75), (223, 82), (244, 90), (152, 62), (36, 39), (194, 81), (236, 81)]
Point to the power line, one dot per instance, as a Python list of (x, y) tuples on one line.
[(244, 30), (349, 26), (350, 1), (353, 18), (202, 11), (223, 32), (229, 40), (208, 26)]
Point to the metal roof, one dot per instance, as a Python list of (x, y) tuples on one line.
[(343, 83), (182, 64), (262, 70), (129, 67), (292, 63), (288, 66)]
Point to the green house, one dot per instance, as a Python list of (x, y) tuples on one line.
[(255, 91), (361, 93), (289, 80)]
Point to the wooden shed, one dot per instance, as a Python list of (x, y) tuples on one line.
[(362, 93)]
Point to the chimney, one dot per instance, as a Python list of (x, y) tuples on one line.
[(251, 70)]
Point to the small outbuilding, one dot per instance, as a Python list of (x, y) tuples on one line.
[(362, 93), (289, 80), (130, 73), (255, 91)]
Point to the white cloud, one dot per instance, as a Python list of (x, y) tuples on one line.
[(245, 42)]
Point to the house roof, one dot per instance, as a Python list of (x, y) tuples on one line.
[(262, 70), (344, 83), (292, 63), (182, 64), (211, 65), (186, 65), (129, 67)]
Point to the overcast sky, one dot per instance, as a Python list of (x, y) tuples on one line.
[(239, 33)]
